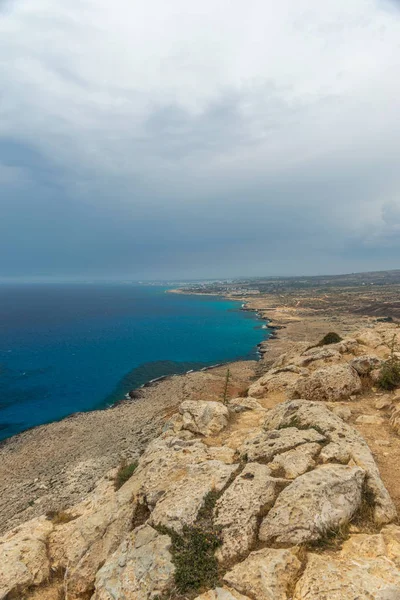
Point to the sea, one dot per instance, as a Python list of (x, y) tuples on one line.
[(68, 348)]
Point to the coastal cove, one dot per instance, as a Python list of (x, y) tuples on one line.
[(75, 348)]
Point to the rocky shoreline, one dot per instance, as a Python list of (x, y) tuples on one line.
[(289, 490)]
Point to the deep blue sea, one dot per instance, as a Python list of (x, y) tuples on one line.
[(78, 347)]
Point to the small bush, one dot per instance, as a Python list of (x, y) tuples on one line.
[(330, 338), (193, 556), (389, 377), (124, 473), (59, 517)]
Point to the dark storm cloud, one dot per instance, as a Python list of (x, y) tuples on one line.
[(153, 140)]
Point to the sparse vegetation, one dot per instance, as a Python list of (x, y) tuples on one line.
[(330, 338), (125, 472), (389, 378), (59, 517), (193, 551), (226, 387)]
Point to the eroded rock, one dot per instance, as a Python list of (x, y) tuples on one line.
[(332, 384), (222, 594), (206, 418), (309, 414), (141, 568), (315, 503), (266, 575), (239, 405), (297, 461), (181, 503), (23, 557), (363, 569), (365, 364), (266, 445), (238, 509)]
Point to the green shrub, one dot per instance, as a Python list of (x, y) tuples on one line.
[(124, 473), (193, 555), (330, 338), (389, 377)]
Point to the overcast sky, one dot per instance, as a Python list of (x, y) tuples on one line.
[(189, 139)]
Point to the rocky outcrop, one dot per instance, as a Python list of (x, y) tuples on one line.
[(266, 575), (141, 568), (367, 567), (23, 557), (297, 461), (206, 418), (237, 511), (332, 384), (253, 500), (265, 445), (365, 364), (347, 442), (180, 505), (313, 505)]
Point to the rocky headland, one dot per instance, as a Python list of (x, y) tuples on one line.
[(289, 489)]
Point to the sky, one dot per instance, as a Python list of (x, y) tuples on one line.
[(183, 139)]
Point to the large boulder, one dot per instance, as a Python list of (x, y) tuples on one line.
[(314, 504), (238, 509), (365, 568), (266, 575), (347, 442), (266, 445), (206, 418), (141, 568), (24, 561), (332, 384)]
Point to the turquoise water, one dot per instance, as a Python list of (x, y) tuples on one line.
[(72, 348)]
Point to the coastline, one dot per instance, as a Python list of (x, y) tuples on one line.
[(38, 474)]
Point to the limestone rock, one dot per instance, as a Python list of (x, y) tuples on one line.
[(395, 419), (239, 405), (266, 575), (82, 545), (365, 364), (325, 355), (297, 461), (309, 414), (181, 503), (369, 420), (369, 337), (276, 380), (237, 510), (166, 461), (334, 383), (23, 557), (140, 569), (383, 403), (313, 504), (335, 453), (222, 594), (363, 569), (266, 445), (206, 418), (343, 412)]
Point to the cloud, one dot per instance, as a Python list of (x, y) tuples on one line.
[(167, 138)]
